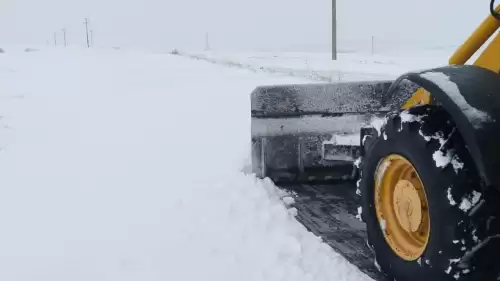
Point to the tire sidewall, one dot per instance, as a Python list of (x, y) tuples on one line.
[(402, 140)]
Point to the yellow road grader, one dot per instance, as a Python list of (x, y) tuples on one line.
[(422, 152)]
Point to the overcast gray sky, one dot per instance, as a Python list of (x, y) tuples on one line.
[(302, 25)]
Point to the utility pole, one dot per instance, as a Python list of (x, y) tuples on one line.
[(207, 44), (55, 38), (87, 31), (373, 45), (334, 30), (64, 36)]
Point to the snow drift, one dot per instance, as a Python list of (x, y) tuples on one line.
[(120, 165)]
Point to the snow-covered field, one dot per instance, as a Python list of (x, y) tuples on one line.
[(122, 165), (320, 67)]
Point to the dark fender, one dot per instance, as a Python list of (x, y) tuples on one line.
[(478, 120)]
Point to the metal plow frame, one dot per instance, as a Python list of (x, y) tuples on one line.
[(313, 132)]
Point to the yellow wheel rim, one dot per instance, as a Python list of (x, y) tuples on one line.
[(401, 207)]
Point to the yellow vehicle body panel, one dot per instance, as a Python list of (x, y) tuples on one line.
[(489, 58)]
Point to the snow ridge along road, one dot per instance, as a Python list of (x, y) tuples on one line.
[(120, 165), (318, 67)]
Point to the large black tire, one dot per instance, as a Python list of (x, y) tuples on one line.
[(462, 243)]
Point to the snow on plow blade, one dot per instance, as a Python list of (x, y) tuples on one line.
[(313, 132)]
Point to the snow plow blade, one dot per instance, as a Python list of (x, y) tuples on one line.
[(306, 135), (314, 132)]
